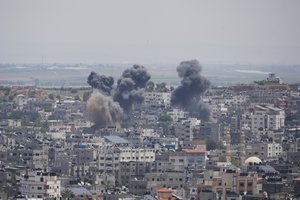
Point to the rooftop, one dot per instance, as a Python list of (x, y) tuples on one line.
[(116, 139), (164, 190), (195, 150)]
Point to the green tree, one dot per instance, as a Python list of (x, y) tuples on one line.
[(67, 194), (222, 158), (16, 115), (165, 118), (44, 127), (235, 161), (51, 96)]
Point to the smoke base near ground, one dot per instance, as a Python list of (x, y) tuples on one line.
[(193, 85)]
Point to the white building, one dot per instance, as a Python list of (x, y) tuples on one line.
[(176, 114), (236, 99), (158, 99), (139, 154), (40, 185), (21, 100), (267, 118)]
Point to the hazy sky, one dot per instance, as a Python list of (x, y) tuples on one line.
[(153, 31)]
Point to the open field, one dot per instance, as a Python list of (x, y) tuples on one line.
[(54, 75)]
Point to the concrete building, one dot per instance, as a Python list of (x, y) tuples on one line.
[(264, 150), (158, 99), (267, 118), (136, 154), (40, 185), (170, 179), (185, 130), (234, 182), (208, 130), (188, 159), (108, 159)]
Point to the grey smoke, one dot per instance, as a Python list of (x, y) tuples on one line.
[(101, 82), (103, 111), (193, 85), (106, 104), (130, 87)]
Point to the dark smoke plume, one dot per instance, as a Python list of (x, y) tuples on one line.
[(101, 82), (130, 87), (103, 111), (193, 85)]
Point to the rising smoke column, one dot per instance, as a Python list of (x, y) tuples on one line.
[(101, 107), (130, 87), (103, 111), (101, 82), (193, 85)]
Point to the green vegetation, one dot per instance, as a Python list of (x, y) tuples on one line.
[(165, 118), (16, 115), (67, 194), (235, 161), (222, 158)]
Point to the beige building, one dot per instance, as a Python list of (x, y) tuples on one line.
[(128, 154), (267, 118), (40, 185), (236, 182)]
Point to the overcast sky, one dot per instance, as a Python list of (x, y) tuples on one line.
[(153, 31)]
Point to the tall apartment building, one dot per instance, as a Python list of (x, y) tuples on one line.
[(267, 118), (185, 130), (40, 185), (108, 159)]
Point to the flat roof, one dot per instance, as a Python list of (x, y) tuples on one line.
[(195, 150), (116, 139)]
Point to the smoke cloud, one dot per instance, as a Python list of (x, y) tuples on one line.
[(107, 104), (103, 111), (193, 85), (101, 82), (130, 87)]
